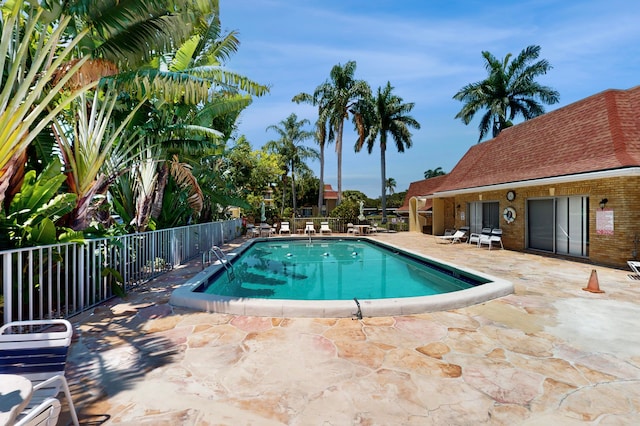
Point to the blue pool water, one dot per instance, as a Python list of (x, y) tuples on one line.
[(333, 270)]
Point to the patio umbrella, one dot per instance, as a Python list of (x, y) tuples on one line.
[(361, 217), (262, 216)]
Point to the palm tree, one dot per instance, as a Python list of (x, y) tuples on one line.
[(323, 134), (509, 90), (290, 148), (390, 185), (433, 173), (385, 114), (341, 92)]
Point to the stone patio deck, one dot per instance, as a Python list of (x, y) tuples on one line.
[(549, 354)]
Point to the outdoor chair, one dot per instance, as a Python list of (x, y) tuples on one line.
[(324, 227), (352, 229), (309, 228), (266, 230), (474, 238), (37, 350), (284, 228), (45, 414), (455, 238), (494, 238)]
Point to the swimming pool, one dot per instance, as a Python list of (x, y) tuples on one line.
[(333, 277)]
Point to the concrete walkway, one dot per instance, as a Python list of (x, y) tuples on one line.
[(550, 354)]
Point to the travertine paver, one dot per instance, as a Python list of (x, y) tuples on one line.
[(548, 354)]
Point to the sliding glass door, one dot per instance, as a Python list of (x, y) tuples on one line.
[(559, 225), (483, 215)]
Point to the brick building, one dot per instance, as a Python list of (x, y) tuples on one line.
[(566, 183)]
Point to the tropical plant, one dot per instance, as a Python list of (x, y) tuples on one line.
[(34, 69), (88, 140), (33, 212), (193, 106), (290, 147), (348, 210), (384, 115), (509, 90), (434, 172), (337, 96)]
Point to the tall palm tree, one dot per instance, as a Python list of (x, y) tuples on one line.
[(341, 92), (509, 90), (383, 115), (290, 147), (324, 133), (434, 172)]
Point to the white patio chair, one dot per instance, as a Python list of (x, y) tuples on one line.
[(324, 228), (38, 351), (45, 414), (352, 229), (494, 238), (309, 228), (284, 228)]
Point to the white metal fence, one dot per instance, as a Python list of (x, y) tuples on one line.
[(65, 279)]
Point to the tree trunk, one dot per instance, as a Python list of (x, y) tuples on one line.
[(339, 152), (321, 190), (383, 172), (293, 187)]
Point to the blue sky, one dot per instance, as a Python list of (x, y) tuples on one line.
[(428, 50)]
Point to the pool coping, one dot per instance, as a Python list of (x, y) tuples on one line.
[(185, 296)]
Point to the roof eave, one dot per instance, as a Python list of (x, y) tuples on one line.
[(603, 174)]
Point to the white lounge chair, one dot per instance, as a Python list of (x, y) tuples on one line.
[(38, 351), (309, 228), (284, 228), (352, 229), (455, 238), (324, 227)]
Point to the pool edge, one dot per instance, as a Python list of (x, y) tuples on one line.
[(184, 296)]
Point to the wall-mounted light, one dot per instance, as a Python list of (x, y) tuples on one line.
[(603, 203)]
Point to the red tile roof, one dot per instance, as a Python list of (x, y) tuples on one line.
[(601, 132), (329, 192), (422, 187)]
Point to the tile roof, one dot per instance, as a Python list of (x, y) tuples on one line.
[(422, 187), (601, 132), (329, 192)]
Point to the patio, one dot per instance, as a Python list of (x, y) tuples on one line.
[(550, 353)]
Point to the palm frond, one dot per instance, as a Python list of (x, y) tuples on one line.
[(181, 172)]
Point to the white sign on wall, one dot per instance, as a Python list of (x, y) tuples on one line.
[(604, 222)]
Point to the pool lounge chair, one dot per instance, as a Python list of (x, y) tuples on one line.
[(635, 267), (352, 229), (284, 228), (455, 238), (324, 227), (38, 351), (309, 228)]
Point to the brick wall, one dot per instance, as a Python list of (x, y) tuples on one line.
[(623, 194)]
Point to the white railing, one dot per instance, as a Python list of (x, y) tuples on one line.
[(61, 280)]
